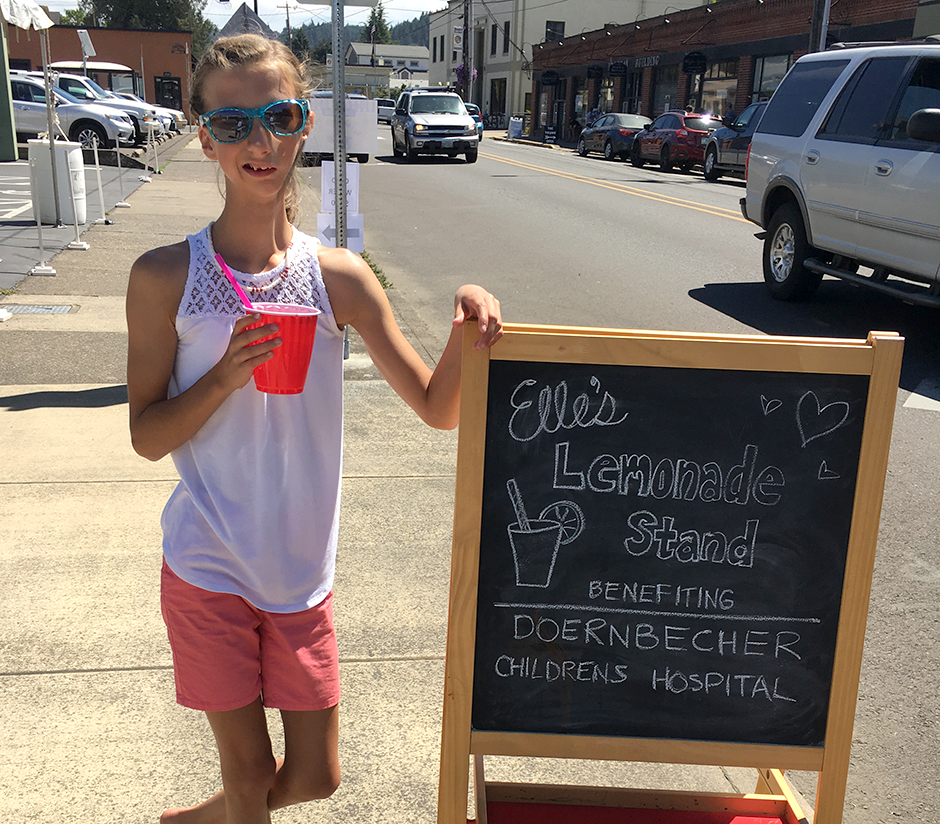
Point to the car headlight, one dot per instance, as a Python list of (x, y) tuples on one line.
[(419, 127), (471, 129)]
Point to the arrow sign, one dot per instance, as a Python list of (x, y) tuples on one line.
[(355, 235)]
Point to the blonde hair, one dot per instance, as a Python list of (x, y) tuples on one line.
[(244, 50)]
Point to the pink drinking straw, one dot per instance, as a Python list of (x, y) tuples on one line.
[(235, 284)]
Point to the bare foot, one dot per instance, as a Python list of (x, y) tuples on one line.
[(210, 811)]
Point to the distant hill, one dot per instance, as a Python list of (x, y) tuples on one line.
[(414, 32)]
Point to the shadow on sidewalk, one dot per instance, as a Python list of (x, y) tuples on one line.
[(78, 398)]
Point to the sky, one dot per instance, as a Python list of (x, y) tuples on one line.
[(273, 11)]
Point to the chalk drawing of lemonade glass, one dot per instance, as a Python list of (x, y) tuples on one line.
[(535, 541)]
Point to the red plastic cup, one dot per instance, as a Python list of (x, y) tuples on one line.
[(286, 372)]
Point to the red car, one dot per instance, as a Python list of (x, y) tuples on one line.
[(674, 139)]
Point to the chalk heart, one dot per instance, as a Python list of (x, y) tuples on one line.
[(826, 474), (815, 421), (770, 405)]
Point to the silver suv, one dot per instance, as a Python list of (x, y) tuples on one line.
[(844, 173), (142, 115), (427, 121), (83, 123)]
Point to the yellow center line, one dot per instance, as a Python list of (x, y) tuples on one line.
[(717, 211)]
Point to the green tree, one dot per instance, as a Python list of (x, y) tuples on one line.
[(76, 17), (320, 51), (153, 15), (299, 43), (376, 18)]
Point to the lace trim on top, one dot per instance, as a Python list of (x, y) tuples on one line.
[(209, 294)]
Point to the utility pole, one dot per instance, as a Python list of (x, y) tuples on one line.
[(819, 25), (290, 41), (468, 50)]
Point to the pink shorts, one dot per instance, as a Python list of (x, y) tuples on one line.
[(226, 652)]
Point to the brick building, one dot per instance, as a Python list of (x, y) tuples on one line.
[(159, 60), (745, 46)]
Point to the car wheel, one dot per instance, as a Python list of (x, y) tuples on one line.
[(635, 157), (710, 169), (87, 133), (395, 150), (609, 153), (410, 154), (665, 160), (785, 251), (582, 148), (472, 156)]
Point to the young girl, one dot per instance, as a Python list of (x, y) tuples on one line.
[(250, 532)]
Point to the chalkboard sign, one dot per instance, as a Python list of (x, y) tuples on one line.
[(662, 550)]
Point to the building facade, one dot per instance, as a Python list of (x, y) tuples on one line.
[(727, 53), (159, 61), (505, 36)]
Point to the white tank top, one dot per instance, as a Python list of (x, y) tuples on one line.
[(256, 512)]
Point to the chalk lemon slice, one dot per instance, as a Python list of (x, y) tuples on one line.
[(569, 515)]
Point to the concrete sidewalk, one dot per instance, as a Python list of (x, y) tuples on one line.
[(92, 731)]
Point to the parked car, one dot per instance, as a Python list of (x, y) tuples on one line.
[(612, 134), (844, 172), (474, 111), (177, 119), (82, 122), (428, 121), (726, 149), (386, 108), (142, 115), (674, 139)]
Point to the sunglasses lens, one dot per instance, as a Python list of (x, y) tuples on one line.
[(229, 125), (286, 117)]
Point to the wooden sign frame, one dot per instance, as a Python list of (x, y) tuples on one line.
[(878, 357)]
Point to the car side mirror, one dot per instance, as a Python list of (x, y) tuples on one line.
[(924, 124)]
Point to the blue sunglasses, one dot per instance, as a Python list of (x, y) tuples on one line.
[(231, 125)]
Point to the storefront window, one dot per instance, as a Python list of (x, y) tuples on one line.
[(631, 93), (719, 87), (768, 72), (606, 97), (665, 86), (579, 90)]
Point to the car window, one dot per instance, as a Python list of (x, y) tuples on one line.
[(745, 117), (604, 122), (76, 88), (702, 124), (21, 91), (922, 92), (799, 96), (662, 122), (436, 104), (631, 121), (861, 111)]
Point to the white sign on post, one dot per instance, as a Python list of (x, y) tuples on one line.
[(326, 220), (328, 187), (362, 126), (355, 233)]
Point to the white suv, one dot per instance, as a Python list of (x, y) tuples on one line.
[(142, 115), (82, 122), (844, 173), (432, 121)]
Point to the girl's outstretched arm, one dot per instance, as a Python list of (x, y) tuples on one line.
[(359, 300)]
